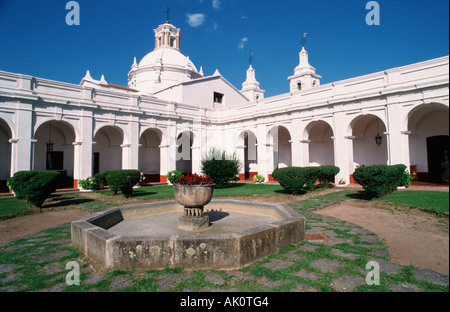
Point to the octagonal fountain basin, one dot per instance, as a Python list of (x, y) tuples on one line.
[(146, 236)]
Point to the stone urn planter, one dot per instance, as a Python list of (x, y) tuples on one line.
[(194, 198)]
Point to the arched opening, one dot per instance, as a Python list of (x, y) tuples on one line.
[(107, 149), (185, 140), (5, 155), (369, 141), (321, 145), (250, 154), (280, 139), (150, 155), (54, 149), (428, 127)]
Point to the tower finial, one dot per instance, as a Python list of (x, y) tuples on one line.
[(303, 40), (250, 59), (167, 12)]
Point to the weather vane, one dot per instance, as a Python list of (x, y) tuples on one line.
[(250, 59), (303, 39), (167, 12)]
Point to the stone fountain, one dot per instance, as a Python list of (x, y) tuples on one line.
[(227, 234)]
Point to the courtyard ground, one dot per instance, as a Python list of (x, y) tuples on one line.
[(343, 235)]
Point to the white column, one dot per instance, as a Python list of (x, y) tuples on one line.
[(24, 148), (398, 142), (265, 152), (343, 148), (297, 146), (83, 150)]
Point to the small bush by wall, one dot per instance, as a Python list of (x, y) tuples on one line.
[(220, 167), (296, 180), (379, 180), (34, 186), (122, 180)]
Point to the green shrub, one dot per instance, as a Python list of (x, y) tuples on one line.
[(101, 179), (173, 176), (221, 167), (89, 183), (312, 175), (327, 174), (405, 179), (259, 178), (379, 180), (123, 181), (295, 180), (34, 186)]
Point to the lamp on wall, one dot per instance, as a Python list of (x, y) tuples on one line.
[(378, 137), (50, 142)]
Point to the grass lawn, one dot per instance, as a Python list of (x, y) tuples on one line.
[(430, 201), (11, 207), (238, 189)]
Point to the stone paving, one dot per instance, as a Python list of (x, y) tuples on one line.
[(336, 262)]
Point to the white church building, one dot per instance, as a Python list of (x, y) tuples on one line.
[(170, 115)]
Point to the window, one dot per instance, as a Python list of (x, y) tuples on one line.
[(299, 85), (218, 98)]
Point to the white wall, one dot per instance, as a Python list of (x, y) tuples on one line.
[(108, 140), (365, 151), (149, 153), (201, 94), (321, 149), (423, 125)]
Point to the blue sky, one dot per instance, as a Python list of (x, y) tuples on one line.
[(35, 39)]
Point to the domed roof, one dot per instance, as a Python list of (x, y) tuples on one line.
[(167, 57)]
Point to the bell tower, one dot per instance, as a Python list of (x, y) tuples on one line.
[(305, 76), (167, 35)]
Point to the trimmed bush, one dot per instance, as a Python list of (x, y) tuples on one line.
[(327, 174), (123, 181), (34, 186), (101, 179), (221, 167), (295, 180), (379, 180)]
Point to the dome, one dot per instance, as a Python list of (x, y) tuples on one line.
[(165, 66), (167, 57)]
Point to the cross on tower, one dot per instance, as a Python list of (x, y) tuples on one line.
[(167, 12), (303, 39), (250, 59)]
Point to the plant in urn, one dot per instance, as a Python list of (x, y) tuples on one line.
[(194, 192)]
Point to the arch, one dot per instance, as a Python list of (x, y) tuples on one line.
[(428, 128), (107, 148), (319, 135), (54, 149), (247, 139), (279, 138), (41, 121), (5, 154), (185, 141), (363, 130), (150, 154)]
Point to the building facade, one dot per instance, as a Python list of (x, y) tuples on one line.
[(170, 115)]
